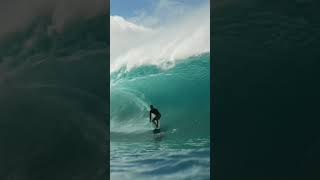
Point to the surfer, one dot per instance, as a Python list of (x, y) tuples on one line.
[(157, 114)]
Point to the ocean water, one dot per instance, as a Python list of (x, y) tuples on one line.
[(181, 92), (53, 100), (266, 90)]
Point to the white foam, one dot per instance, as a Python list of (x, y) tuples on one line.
[(134, 44), (138, 122)]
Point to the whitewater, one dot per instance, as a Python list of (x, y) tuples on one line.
[(169, 67)]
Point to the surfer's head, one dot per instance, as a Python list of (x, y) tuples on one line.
[(151, 106)]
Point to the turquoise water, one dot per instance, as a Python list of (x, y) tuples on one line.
[(181, 93)]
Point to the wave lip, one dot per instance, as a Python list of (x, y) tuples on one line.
[(134, 45)]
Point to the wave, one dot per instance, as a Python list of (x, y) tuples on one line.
[(135, 44), (53, 101), (180, 93), (17, 15)]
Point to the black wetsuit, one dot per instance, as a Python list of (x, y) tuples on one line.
[(157, 117)]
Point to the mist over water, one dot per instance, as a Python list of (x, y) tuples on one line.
[(135, 44)]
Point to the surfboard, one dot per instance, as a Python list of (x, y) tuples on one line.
[(156, 130)]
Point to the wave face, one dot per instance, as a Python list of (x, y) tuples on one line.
[(53, 101), (181, 94)]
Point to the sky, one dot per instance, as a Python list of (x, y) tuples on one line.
[(131, 8), (157, 32), (128, 8)]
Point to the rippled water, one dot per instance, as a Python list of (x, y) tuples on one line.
[(161, 159)]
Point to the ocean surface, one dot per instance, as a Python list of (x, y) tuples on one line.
[(53, 100), (181, 92)]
